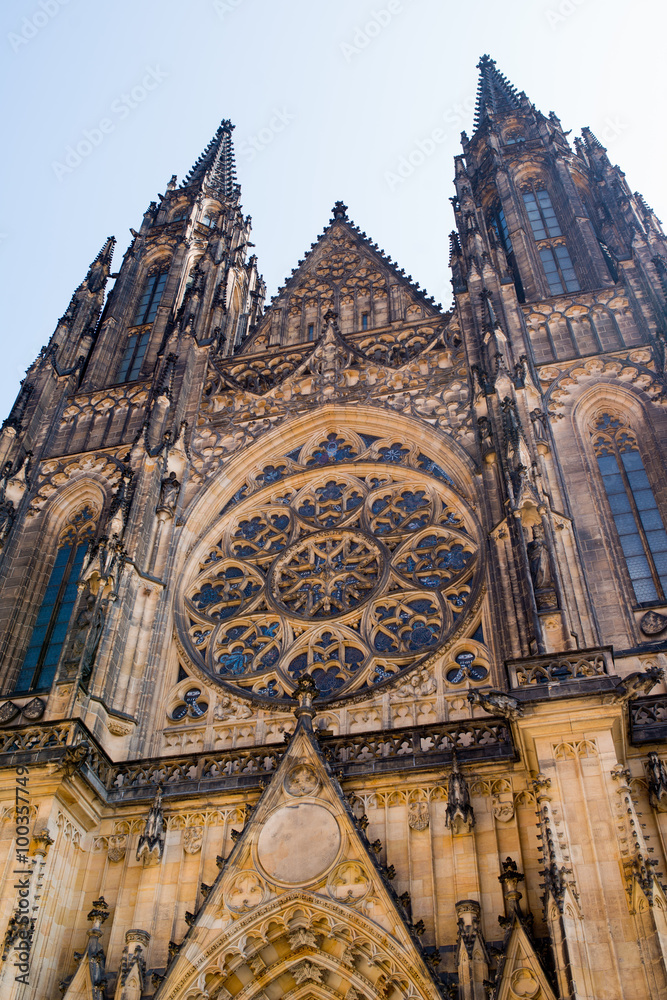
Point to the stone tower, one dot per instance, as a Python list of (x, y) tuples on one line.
[(333, 632)]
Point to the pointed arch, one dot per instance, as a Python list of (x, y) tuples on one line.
[(616, 436)]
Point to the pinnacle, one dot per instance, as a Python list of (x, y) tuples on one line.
[(495, 94), (592, 142), (216, 166)]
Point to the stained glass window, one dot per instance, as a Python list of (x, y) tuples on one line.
[(133, 357), (48, 635), (150, 299), (638, 521), (346, 577)]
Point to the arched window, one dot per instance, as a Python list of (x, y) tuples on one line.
[(48, 635), (640, 527), (150, 298)]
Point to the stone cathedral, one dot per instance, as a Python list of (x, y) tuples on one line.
[(333, 630)]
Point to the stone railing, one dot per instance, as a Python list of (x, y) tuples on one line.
[(560, 668), (474, 741), (648, 719), (33, 739)]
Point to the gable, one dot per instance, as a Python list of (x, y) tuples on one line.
[(344, 273), (302, 901)]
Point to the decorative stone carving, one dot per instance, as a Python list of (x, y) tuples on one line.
[(306, 972), (497, 703), (653, 623), (7, 513), (302, 938), (503, 811), (169, 488), (459, 816), (8, 711), (229, 708), (349, 882), (74, 759), (132, 971), (641, 682), (540, 570), (193, 837), (244, 892), (657, 782), (418, 816), (301, 780), (117, 847), (34, 709), (151, 842), (117, 728)]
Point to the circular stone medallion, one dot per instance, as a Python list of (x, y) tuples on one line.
[(298, 843), (301, 780), (327, 573)]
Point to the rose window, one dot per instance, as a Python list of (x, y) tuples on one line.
[(350, 578)]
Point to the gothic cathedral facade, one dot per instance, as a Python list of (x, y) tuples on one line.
[(396, 569)]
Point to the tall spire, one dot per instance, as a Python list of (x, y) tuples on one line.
[(215, 167), (495, 94)]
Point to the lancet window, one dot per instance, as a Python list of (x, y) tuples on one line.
[(556, 261), (48, 635), (150, 298), (639, 524)]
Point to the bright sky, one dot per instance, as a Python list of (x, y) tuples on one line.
[(329, 98)]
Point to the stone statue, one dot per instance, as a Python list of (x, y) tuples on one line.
[(86, 635), (459, 816), (538, 559), (169, 488), (497, 703), (6, 519)]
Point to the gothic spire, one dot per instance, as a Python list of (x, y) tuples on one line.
[(215, 167), (495, 94)]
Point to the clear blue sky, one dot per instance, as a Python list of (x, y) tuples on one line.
[(327, 97)]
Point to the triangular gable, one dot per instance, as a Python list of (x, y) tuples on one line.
[(300, 900), (522, 973), (81, 986), (346, 273)]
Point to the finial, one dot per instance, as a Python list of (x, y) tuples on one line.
[(305, 694), (339, 211)]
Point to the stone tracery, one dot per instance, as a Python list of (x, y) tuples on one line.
[(347, 577)]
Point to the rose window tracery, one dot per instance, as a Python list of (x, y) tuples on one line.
[(349, 577)]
